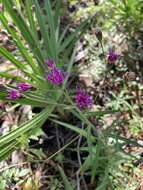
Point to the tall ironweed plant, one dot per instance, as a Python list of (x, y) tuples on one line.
[(46, 60)]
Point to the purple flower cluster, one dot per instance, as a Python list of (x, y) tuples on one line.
[(51, 64), (112, 56), (15, 94), (23, 86), (83, 100), (55, 76)]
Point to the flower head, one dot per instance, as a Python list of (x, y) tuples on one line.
[(56, 76), (24, 86), (51, 63), (14, 94), (112, 56), (83, 100)]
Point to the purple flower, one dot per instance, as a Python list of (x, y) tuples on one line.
[(83, 100), (56, 76), (51, 63), (112, 56), (14, 94), (24, 86)]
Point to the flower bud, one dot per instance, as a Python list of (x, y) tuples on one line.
[(98, 34)]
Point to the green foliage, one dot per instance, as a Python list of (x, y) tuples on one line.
[(82, 12), (34, 51), (126, 15), (38, 36), (120, 102), (121, 178), (65, 179), (14, 174), (136, 125), (124, 19)]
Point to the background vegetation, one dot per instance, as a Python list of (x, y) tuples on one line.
[(82, 128)]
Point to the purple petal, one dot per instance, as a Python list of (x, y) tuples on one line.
[(51, 63), (112, 56), (24, 86), (56, 76), (14, 94), (82, 99)]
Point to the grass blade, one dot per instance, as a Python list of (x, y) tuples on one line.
[(25, 30), (19, 44), (67, 184), (73, 128)]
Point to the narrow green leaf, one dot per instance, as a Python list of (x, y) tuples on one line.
[(74, 35), (25, 30), (30, 16), (67, 184), (57, 18), (44, 31), (73, 128), (19, 44), (52, 30), (10, 76), (17, 63)]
